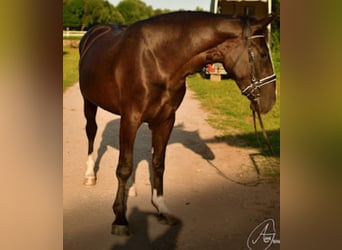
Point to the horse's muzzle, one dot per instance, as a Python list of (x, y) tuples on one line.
[(263, 108)]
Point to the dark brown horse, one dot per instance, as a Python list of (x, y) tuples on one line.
[(139, 72)]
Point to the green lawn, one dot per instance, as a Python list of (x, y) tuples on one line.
[(70, 66), (230, 113)]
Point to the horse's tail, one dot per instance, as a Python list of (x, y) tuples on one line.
[(95, 33)]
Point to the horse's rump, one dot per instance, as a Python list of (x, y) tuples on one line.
[(95, 33)]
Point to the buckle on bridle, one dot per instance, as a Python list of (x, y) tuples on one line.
[(257, 84)]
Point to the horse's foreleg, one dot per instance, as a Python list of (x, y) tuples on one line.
[(132, 190), (128, 130), (91, 128), (160, 137)]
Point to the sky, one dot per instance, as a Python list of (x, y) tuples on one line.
[(174, 4)]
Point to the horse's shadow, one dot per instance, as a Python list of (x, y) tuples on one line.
[(139, 238), (142, 145)]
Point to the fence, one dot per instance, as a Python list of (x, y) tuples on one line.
[(73, 33)]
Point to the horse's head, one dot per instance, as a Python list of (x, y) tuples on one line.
[(250, 65)]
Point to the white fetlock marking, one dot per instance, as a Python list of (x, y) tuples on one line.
[(159, 202), (132, 191), (90, 166)]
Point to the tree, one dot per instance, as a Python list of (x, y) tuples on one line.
[(275, 41), (134, 10), (199, 9), (114, 14), (72, 13), (94, 13), (276, 11), (160, 11), (82, 14)]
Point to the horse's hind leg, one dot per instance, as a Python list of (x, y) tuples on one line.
[(90, 113), (160, 137)]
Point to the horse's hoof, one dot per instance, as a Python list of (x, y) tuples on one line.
[(89, 180), (167, 219), (121, 230)]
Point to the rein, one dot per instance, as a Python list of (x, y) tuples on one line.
[(263, 130), (249, 92)]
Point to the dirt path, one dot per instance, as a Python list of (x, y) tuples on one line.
[(201, 186)]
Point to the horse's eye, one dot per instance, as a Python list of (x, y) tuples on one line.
[(263, 55)]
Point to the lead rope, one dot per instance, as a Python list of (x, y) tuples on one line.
[(220, 173), (262, 128), (258, 180)]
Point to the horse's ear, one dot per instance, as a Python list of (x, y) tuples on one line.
[(266, 21), (261, 24)]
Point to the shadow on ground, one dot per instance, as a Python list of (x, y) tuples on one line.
[(139, 239), (252, 140), (192, 140), (142, 146)]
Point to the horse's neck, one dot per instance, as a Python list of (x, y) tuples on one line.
[(193, 44), (218, 53), (213, 34), (214, 39)]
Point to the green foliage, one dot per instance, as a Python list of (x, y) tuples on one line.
[(275, 36), (99, 11), (82, 14), (161, 11), (134, 10), (72, 13), (70, 66), (276, 12), (275, 47), (199, 9)]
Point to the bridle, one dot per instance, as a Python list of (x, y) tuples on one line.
[(252, 91), (256, 84)]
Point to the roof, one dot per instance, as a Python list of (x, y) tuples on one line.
[(260, 8)]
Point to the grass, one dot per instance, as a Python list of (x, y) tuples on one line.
[(230, 113), (70, 66)]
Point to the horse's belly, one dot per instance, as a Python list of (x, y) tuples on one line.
[(103, 94)]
